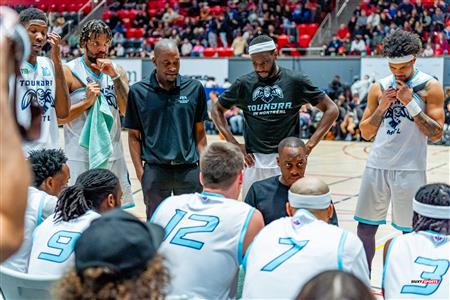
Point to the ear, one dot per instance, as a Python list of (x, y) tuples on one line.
[(241, 177), (47, 184), (200, 175), (289, 209), (154, 59), (330, 211), (110, 201)]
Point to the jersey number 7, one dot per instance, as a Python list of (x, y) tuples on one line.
[(179, 238), (276, 262)]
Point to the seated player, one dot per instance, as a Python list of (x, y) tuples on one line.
[(207, 234), (270, 195), (116, 258), (335, 285), (416, 265), (51, 175), (94, 192), (290, 251)]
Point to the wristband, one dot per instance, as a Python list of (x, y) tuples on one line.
[(115, 78), (413, 108)]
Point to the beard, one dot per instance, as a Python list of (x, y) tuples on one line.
[(92, 58), (272, 72)]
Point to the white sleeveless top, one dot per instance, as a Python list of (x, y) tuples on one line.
[(38, 81), (72, 130), (418, 267), (40, 205), (54, 243), (399, 144), (203, 243), (288, 252)]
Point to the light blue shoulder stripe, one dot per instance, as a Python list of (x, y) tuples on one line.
[(243, 232), (341, 250), (40, 208)]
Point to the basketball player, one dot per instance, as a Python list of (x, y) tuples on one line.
[(42, 79), (87, 77), (270, 195), (208, 233), (51, 175), (416, 265), (288, 252), (403, 111), (94, 192), (270, 98)]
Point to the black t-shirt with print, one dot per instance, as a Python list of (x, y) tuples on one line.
[(271, 107)]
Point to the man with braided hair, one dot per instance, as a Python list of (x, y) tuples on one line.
[(416, 265), (51, 175), (88, 77), (95, 191), (404, 110)]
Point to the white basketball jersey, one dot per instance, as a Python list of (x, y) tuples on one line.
[(53, 244), (417, 267), (288, 252), (40, 205), (72, 130), (38, 82), (203, 243), (399, 144)]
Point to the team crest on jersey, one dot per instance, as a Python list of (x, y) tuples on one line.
[(45, 71), (267, 93), (438, 239), (24, 71), (42, 96), (394, 116), (110, 96)]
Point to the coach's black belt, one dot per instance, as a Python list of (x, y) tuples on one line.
[(172, 163)]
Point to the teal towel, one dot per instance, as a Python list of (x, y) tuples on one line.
[(95, 135)]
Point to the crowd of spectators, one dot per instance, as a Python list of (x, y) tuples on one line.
[(374, 19)]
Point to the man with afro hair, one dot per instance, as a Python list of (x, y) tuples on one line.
[(51, 175)]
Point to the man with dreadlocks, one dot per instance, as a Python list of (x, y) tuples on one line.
[(51, 175), (42, 83), (416, 265), (95, 191), (270, 98), (88, 77), (403, 110)]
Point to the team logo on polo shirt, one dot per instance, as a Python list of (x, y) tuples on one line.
[(267, 93), (183, 100)]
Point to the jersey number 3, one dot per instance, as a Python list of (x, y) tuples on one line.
[(440, 268), (64, 242), (277, 261), (179, 238)]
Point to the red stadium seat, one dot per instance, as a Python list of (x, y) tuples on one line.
[(131, 33), (225, 52), (304, 41), (107, 14), (209, 52), (302, 29), (283, 40), (312, 28), (139, 33)]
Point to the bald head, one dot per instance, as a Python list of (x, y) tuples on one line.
[(165, 45), (309, 186)]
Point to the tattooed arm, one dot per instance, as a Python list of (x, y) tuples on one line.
[(121, 88), (431, 120), (377, 104)]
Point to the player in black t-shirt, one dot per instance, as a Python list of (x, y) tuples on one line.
[(270, 98), (270, 195)]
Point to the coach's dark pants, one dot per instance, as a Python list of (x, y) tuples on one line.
[(160, 181)]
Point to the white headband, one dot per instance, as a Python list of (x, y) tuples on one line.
[(262, 47), (431, 211), (309, 201), (401, 59)]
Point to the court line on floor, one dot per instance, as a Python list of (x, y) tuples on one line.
[(137, 191)]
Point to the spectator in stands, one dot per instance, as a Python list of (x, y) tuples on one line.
[(236, 120), (446, 138), (361, 20), (51, 175), (226, 83), (239, 44), (169, 15), (334, 45), (116, 258), (358, 46), (428, 51), (361, 86), (120, 50), (342, 32), (186, 48), (335, 88), (198, 49), (209, 124), (374, 19), (95, 191)]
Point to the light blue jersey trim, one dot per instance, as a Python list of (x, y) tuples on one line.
[(152, 218), (417, 96), (99, 76), (34, 68), (386, 261), (243, 232), (212, 195), (407, 229), (365, 221), (340, 251), (128, 205), (40, 208), (307, 212), (244, 261)]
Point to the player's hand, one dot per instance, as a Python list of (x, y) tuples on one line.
[(139, 174), (92, 92), (388, 97), (404, 92), (105, 66), (54, 40), (249, 158)]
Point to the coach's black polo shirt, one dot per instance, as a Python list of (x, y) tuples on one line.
[(271, 106), (166, 119)]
